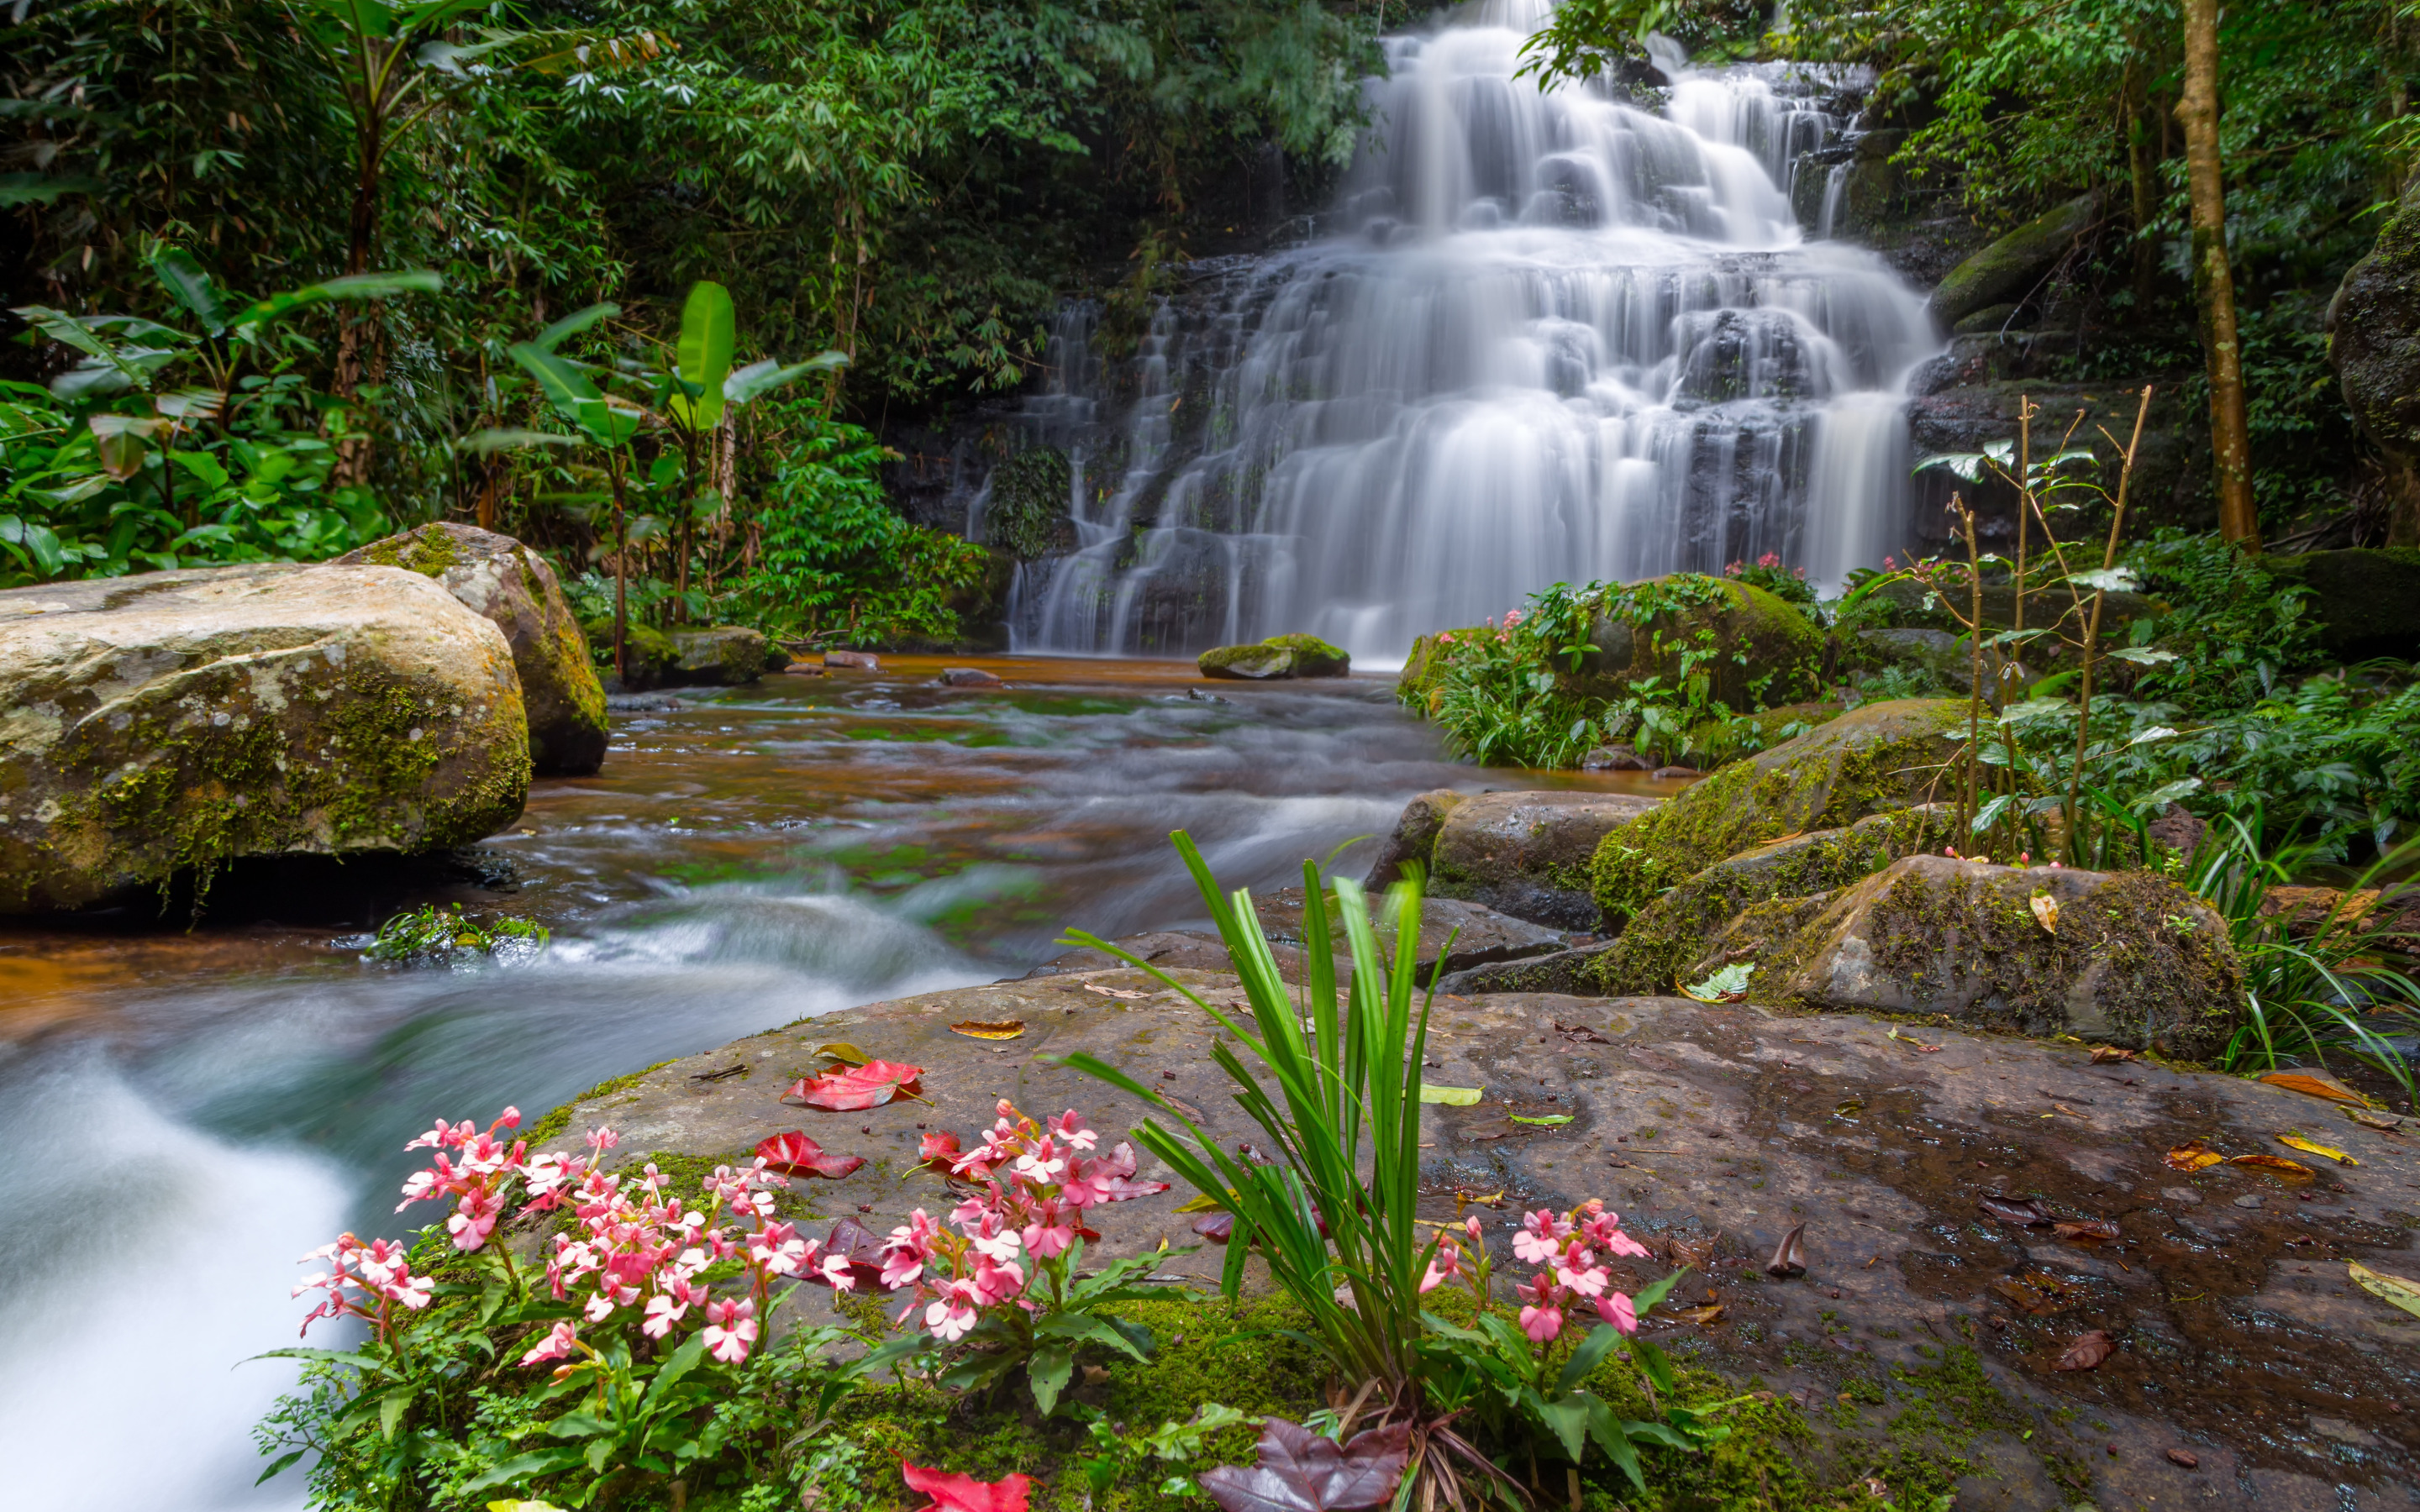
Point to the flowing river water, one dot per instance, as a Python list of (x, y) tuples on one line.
[(185, 1112)]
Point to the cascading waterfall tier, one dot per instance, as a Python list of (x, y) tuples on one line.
[(1555, 334)]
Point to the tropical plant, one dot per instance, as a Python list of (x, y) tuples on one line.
[(431, 933), (1342, 1095), (1007, 1286)]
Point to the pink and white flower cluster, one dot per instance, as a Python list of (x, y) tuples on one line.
[(1036, 1181), (365, 1281), (1571, 1253)]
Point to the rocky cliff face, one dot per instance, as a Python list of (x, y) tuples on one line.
[(2374, 339)]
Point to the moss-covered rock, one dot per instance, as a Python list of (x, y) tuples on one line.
[(1414, 838), (180, 720), (1313, 657), (1881, 756), (1528, 853), (2009, 267), (1753, 648), (1279, 655), (649, 654), (1417, 684), (725, 656), (1672, 935), (2127, 958), (2367, 602), (514, 587)]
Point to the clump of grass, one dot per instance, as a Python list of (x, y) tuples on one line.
[(430, 935)]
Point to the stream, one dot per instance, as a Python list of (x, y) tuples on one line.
[(188, 1110)]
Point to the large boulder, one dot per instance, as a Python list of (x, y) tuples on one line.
[(1454, 935), (180, 720), (1882, 756), (2374, 340), (1764, 651), (2366, 603), (1528, 853), (2125, 958), (1415, 836), (1279, 655), (2011, 268), (512, 585), (724, 656), (1673, 933)]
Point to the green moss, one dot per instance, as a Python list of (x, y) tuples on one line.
[(1881, 756), (1313, 657), (430, 550), (554, 1123), (1027, 516)]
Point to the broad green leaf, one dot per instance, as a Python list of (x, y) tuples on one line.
[(2108, 580), (1568, 1420), (350, 286), (392, 1408), (281, 1462), (575, 397), (484, 442), (2143, 655), (704, 355), (1453, 1097), (1048, 1373), (1549, 1121), (1593, 1350), (746, 383), (40, 189), (203, 467), (683, 1361), (572, 325), (189, 286), (1612, 1435), (525, 1467)]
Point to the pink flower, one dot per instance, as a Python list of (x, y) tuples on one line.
[(950, 1319), (1542, 1324), (1891, 564), (730, 1329), (474, 1219), (1511, 618), (1069, 1126), (662, 1313), (1615, 1308), (1541, 1237), (557, 1345), (1580, 1276), (1052, 1233)]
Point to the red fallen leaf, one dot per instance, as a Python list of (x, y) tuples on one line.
[(2025, 1214), (1789, 1257), (939, 1152), (795, 1154), (964, 1493), (1218, 1227), (858, 1245), (2185, 1457), (2086, 1231), (1301, 1471), (2088, 1352), (853, 1087)]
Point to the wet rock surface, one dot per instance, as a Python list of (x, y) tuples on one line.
[(1528, 853), (1921, 1319), (1414, 838), (724, 656)]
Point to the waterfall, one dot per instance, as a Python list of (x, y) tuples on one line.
[(1548, 334)]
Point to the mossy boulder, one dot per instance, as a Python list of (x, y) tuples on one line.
[(1279, 655), (2125, 958), (649, 654), (1754, 648), (1672, 935), (725, 656), (2367, 602), (1881, 756), (179, 720), (514, 587), (1528, 853), (1414, 838), (2010, 268), (1424, 665)]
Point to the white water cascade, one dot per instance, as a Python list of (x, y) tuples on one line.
[(1553, 336)]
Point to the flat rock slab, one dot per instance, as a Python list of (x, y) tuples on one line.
[(1717, 1129)]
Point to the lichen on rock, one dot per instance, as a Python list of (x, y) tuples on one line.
[(1881, 756), (180, 720), (1528, 853)]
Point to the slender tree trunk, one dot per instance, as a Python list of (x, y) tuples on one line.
[(621, 568), (2143, 170), (2213, 282)]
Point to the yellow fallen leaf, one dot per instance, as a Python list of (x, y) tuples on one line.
[(977, 1029), (842, 1051), (2193, 1156), (1702, 1317), (2272, 1163), (2045, 908), (1453, 1097), (2394, 1288), (2295, 1141), (2294, 1081), (1204, 1203)]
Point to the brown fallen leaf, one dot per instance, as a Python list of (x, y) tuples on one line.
[(2373, 1120), (2193, 1156), (998, 1029), (1911, 1040), (2275, 1163), (2045, 909), (2086, 1231), (2024, 1214), (2295, 1141), (2184, 1457), (1582, 1033), (1127, 992), (2294, 1081), (2088, 1352), (1702, 1317), (2069, 1111), (1789, 1257), (2038, 1291), (2110, 1052)]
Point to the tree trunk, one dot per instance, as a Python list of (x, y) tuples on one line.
[(2213, 282), (2143, 169)]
